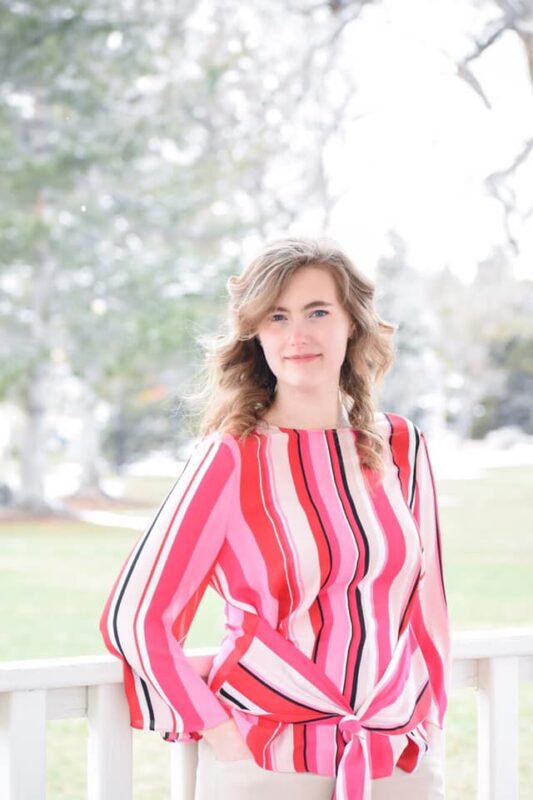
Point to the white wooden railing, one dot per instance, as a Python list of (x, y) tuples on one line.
[(32, 692)]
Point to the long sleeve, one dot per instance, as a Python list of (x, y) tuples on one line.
[(152, 604), (430, 619)]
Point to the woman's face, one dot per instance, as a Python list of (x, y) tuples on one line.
[(304, 335)]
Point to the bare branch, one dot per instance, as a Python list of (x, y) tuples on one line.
[(334, 6), (482, 45), (515, 18), (497, 177), (498, 185)]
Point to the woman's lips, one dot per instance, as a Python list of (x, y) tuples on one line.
[(303, 358)]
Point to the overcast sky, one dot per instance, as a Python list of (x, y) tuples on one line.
[(416, 158)]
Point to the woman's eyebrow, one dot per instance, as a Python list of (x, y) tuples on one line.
[(312, 304)]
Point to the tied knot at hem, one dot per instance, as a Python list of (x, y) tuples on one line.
[(350, 726)]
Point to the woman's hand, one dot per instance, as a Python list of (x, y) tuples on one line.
[(227, 742), (435, 740)]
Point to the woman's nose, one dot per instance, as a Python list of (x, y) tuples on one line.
[(298, 331)]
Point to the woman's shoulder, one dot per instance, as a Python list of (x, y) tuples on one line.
[(401, 434), (396, 424), (216, 445)]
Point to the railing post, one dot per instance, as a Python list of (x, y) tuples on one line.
[(23, 745), (498, 728), (109, 761), (183, 761)]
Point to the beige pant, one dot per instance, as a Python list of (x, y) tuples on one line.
[(244, 780), (427, 783)]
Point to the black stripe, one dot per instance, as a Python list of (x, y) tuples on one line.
[(410, 490), (228, 696), (438, 547), (366, 561), (316, 645), (408, 605), (320, 718), (414, 478), (398, 727), (304, 736), (123, 589), (132, 567), (148, 703), (280, 694)]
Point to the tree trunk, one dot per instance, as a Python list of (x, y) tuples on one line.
[(31, 496), (90, 447)]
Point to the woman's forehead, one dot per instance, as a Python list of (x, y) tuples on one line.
[(309, 285)]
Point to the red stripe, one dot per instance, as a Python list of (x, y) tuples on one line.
[(260, 513), (299, 748), (136, 714), (400, 441)]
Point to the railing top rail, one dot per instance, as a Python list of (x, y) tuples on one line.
[(58, 673), (492, 642), (52, 673)]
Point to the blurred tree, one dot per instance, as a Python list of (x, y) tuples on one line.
[(414, 385), (457, 347), (514, 406), (485, 346), (140, 144), (503, 308)]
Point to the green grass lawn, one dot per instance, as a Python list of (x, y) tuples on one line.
[(55, 577)]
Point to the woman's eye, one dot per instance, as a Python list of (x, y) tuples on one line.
[(319, 311)]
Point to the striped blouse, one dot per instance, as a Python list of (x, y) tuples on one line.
[(337, 646)]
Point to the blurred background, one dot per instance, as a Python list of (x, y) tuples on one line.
[(147, 150)]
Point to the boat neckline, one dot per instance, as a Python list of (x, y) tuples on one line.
[(268, 426)]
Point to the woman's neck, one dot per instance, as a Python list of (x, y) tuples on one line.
[(306, 416)]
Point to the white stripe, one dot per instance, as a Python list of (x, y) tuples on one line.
[(182, 496), (282, 677)]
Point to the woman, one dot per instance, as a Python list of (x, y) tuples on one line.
[(315, 518)]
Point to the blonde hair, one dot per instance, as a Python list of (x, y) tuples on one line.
[(238, 384)]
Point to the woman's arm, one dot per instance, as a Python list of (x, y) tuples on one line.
[(152, 604), (227, 741), (430, 619)]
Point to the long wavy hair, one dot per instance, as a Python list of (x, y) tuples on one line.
[(238, 386)]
